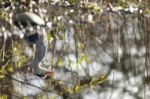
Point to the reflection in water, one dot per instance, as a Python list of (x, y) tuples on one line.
[(27, 84)]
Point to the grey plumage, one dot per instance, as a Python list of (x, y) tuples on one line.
[(34, 35), (41, 49)]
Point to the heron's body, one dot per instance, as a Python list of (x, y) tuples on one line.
[(41, 49), (29, 22), (28, 19)]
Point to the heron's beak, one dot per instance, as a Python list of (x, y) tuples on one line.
[(47, 74)]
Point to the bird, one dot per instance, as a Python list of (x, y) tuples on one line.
[(30, 21)]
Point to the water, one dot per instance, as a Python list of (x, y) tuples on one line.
[(27, 84)]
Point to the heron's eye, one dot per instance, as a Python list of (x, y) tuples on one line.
[(32, 38)]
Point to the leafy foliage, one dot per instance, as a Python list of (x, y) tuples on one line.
[(78, 28)]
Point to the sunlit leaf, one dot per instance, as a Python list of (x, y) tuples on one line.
[(70, 90), (77, 88), (60, 62), (2, 76), (10, 69), (83, 58), (50, 37), (24, 97)]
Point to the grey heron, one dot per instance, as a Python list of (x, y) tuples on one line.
[(29, 20)]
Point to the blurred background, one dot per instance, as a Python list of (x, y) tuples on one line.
[(98, 49)]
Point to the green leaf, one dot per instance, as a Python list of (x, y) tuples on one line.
[(77, 89), (60, 62), (50, 37), (2, 76), (85, 58), (24, 97)]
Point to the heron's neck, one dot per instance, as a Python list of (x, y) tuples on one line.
[(41, 49)]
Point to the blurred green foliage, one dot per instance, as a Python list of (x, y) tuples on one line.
[(60, 17)]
